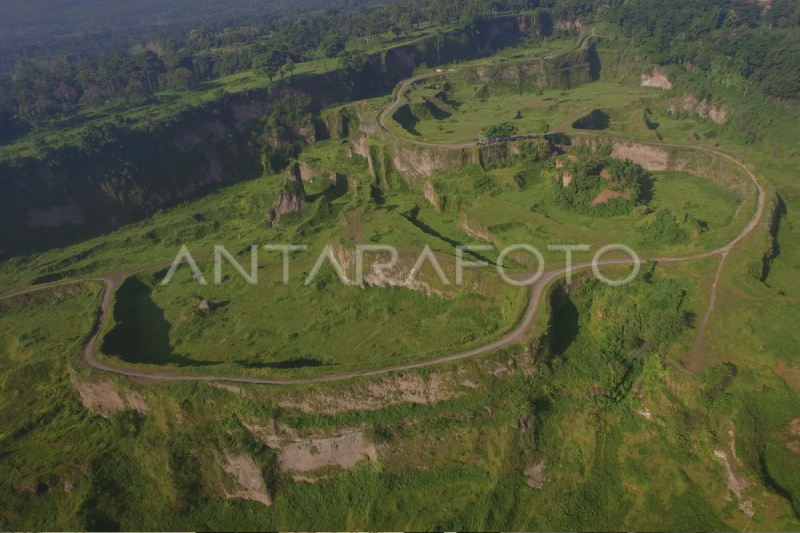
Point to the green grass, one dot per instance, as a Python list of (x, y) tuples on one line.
[(454, 464), (554, 106), (277, 330)]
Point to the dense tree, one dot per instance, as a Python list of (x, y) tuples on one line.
[(703, 33)]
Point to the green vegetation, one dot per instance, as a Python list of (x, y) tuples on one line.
[(506, 129), (295, 330), (620, 409)]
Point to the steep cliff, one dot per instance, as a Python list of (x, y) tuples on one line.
[(119, 173)]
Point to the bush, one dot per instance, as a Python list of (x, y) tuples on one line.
[(664, 230), (506, 129)]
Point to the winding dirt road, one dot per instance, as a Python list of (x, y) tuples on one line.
[(113, 281)]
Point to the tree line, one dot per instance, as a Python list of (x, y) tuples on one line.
[(759, 47)]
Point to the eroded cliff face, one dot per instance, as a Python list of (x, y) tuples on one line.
[(581, 66), (700, 163), (292, 197), (415, 163), (122, 175), (690, 103), (458, 45)]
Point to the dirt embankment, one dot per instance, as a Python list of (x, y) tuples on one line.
[(248, 477), (375, 395), (102, 397), (657, 78), (359, 147), (649, 157), (476, 231), (415, 163), (690, 103), (343, 451)]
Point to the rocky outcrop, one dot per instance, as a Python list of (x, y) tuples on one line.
[(300, 171), (286, 202), (207, 305), (552, 71), (291, 199), (656, 158), (657, 79), (102, 397), (244, 113), (569, 25), (342, 451), (213, 132), (359, 147), (415, 163)]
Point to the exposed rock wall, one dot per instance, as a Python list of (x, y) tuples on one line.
[(415, 162), (690, 103), (700, 163), (127, 174)]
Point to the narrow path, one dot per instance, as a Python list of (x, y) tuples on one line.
[(113, 281)]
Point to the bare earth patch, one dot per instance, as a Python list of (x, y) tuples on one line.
[(311, 454), (269, 434), (102, 398), (136, 401), (794, 430), (609, 194), (248, 476), (535, 475), (736, 484), (790, 374), (230, 388), (375, 395)]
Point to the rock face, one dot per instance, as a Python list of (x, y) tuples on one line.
[(691, 104), (292, 198), (286, 202), (56, 216), (299, 171), (649, 157), (656, 79), (359, 147)]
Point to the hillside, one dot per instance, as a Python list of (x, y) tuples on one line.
[(372, 289)]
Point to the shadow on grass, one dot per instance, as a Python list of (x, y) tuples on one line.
[(780, 214), (141, 333), (596, 120), (301, 362), (564, 325), (411, 216), (334, 191)]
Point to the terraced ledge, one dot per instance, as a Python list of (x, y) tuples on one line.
[(112, 282)]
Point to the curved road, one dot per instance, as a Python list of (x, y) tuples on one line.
[(113, 281)]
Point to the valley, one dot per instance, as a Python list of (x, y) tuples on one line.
[(313, 398)]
